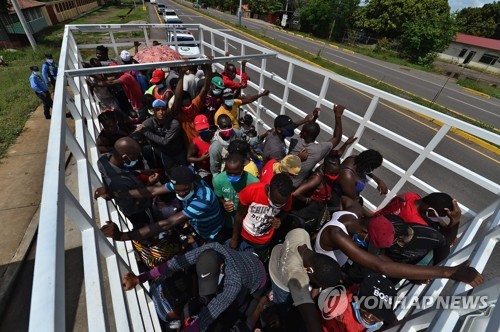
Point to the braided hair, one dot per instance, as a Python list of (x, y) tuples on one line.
[(367, 161)]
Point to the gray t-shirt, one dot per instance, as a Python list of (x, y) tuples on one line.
[(286, 266), (274, 148), (316, 153)]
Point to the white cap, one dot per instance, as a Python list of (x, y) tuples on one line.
[(125, 55)]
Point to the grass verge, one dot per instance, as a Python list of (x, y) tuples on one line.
[(481, 87), (17, 100)]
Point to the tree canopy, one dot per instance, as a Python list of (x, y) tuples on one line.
[(482, 22), (317, 16)]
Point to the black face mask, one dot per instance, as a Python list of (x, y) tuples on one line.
[(206, 135)]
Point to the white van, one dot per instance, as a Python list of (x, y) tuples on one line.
[(184, 43), (161, 8), (153, 2)]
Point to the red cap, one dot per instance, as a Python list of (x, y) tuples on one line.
[(381, 232), (157, 76), (201, 122)]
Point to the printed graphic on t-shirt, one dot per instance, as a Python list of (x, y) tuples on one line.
[(257, 222)]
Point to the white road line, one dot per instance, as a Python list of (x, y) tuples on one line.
[(288, 38), (232, 46), (338, 56), (479, 108)]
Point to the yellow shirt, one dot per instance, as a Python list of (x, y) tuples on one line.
[(233, 114), (252, 169)]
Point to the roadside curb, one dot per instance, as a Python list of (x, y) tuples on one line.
[(469, 137), (484, 95)]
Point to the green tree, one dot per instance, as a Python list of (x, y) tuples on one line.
[(318, 16), (264, 6), (482, 22), (422, 39), (387, 17)]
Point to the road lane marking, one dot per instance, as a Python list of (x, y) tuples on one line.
[(479, 108), (341, 57), (232, 46)]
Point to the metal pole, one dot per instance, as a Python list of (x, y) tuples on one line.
[(331, 31), (25, 25), (239, 13)]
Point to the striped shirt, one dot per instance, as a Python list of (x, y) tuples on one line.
[(203, 210)]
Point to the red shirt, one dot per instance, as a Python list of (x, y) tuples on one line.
[(203, 147), (266, 175), (132, 89), (346, 321), (229, 83), (404, 206), (256, 225)]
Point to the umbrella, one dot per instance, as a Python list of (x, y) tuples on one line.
[(159, 53)]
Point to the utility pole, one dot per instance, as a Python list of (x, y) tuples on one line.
[(25, 25), (239, 13)]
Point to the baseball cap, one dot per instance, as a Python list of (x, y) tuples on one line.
[(227, 93), (159, 103), (284, 122), (381, 232), (291, 164), (377, 286), (218, 82), (34, 68), (48, 56), (208, 271), (201, 122), (181, 175), (157, 76), (125, 55)]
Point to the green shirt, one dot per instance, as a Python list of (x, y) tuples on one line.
[(228, 191)]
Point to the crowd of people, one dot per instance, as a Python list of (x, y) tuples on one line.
[(235, 229)]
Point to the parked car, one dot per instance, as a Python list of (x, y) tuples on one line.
[(153, 2), (174, 22), (161, 8), (184, 43)]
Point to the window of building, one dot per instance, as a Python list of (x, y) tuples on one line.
[(462, 52), (488, 59)]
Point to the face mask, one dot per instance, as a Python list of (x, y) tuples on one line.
[(216, 92), (332, 177), (362, 322), (276, 206), (234, 178), (229, 102), (225, 134), (287, 133), (187, 108), (359, 242), (37, 73), (50, 60), (435, 217), (131, 164), (188, 196), (206, 135)]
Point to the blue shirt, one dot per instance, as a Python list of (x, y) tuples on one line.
[(49, 70), (143, 82), (203, 210), (37, 84)]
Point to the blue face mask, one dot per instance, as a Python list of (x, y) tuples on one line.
[(359, 242), (287, 133), (234, 178), (131, 164), (216, 92), (229, 102), (361, 321), (188, 196)]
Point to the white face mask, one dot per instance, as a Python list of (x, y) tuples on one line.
[(188, 196), (50, 60), (37, 73)]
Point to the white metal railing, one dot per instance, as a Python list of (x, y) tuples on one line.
[(134, 310)]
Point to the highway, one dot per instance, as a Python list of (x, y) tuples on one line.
[(389, 116)]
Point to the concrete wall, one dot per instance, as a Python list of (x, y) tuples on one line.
[(64, 10), (455, 55)]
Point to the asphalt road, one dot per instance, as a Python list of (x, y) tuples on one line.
[(423, 84), (388, 116)]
